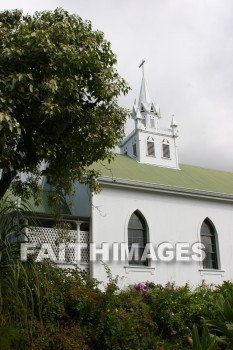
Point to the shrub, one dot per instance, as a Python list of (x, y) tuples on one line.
[(175, 309), (205, 342), (222, 324)]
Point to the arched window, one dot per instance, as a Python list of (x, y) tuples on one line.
[(137, 238), (150, 146), (209, 239), (166, 149)]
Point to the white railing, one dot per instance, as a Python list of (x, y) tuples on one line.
[(54, 237)]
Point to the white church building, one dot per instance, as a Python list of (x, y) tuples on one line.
[(151, 202)]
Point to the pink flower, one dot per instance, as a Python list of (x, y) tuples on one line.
[(142, 287)]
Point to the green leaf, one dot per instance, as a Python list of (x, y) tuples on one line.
[(59, 87)]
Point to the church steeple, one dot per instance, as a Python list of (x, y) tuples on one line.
[(144, 97), (146, 113), (147, 143)]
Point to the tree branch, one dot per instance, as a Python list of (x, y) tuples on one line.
[(5, 183)]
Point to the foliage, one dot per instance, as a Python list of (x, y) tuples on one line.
[(175, 309), (60, 310), (11, 337), (57, 309), (58, 100), (222, 323), (225, 289), (206, 342), (11, 228)]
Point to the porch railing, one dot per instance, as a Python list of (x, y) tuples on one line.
[(56, 237)]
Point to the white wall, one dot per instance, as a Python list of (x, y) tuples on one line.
[(169, 218)]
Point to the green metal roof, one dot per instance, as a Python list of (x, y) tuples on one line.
[(43, 206), (188, 177)]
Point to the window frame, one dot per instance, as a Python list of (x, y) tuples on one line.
[(166, 144), (144, 232), (150, 140), (212, 263)]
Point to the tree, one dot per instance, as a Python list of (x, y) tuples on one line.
[(58, 100)]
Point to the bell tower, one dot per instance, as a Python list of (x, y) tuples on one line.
[(148, 143)]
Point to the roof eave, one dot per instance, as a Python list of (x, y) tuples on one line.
[(49, 216), (155, 187)]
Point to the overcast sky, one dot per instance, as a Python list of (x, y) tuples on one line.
[(188, 48)]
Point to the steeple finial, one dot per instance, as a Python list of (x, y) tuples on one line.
[(141, 65), (173, 122)]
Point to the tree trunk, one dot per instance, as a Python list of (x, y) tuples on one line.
[(5, 183)]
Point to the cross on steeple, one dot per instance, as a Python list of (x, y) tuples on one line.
[(141, 65)]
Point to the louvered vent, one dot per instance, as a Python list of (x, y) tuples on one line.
[(150, 148), (166, 151)]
